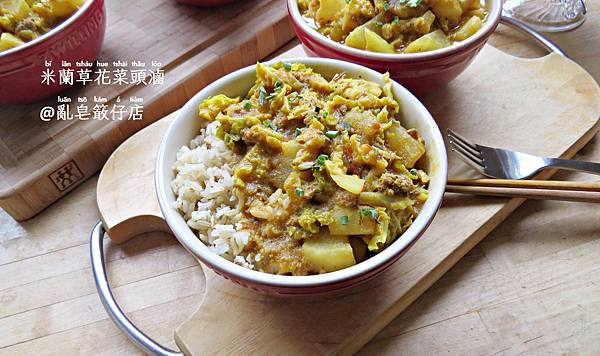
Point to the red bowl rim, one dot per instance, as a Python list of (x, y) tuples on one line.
[(176, 135), (50, 33), (489, 26)]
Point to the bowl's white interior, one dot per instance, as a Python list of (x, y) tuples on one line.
[(186, 126)]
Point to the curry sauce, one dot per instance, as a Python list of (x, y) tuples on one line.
[(395, 26), (326, 175)]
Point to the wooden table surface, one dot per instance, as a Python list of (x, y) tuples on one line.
[(532, 286)]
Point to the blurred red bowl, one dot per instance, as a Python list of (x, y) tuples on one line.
[(419, 72), (206, 3), (79, 38)]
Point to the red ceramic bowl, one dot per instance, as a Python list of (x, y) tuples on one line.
[(79, 38), (206, 3), (186, 125), (419, 72)]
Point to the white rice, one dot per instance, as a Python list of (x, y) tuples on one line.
[(204, 188)]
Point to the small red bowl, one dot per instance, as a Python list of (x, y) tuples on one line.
[(419, 72), (79, 38), (206, 3)]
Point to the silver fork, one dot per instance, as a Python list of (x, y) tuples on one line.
[(507, 164)]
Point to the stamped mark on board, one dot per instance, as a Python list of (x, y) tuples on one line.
[(66, 176)]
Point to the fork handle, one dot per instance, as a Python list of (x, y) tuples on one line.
[(574, 165)]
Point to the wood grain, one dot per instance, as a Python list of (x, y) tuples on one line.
[(542, 240), (530, 287), (195, 47), (256, 318)]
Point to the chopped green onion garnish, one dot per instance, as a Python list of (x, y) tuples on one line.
[(325, 113), (379, 24), (299, 131), (396, 20), (299, 192), (321, 159), (320, 162), (331, 133), (269, 124), (344, 219), (413, 171), (293, 97), (262, 94), (276, 89), (370, 212), (287, 66), (247, 105), (386, 6)]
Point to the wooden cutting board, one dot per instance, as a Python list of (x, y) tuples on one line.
[(547, 106), (42, 161)]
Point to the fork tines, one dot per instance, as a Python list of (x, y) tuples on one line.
[(467, 151)]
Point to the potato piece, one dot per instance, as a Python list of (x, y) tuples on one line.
[(329, 9), (424, 26), (8, 41), (52, 10), (479, 13), (449, 9), (352, 184), (429, 42), (19, 9), (391, 203), (328, 253), (375, 43), (356, 38), (348, 221), (469, 5), (6, 23), (361, 252), (406, 147), (363, 121), (468, 29), (64, 8), (290, 149)]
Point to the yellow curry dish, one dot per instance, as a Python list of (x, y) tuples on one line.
[(303, 175), (395, 26), (24, 20)]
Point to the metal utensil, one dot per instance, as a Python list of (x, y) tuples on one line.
[(547, 15), (508, 164)]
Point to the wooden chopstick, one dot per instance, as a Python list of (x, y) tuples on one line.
[(529, 189), (541, 184)]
